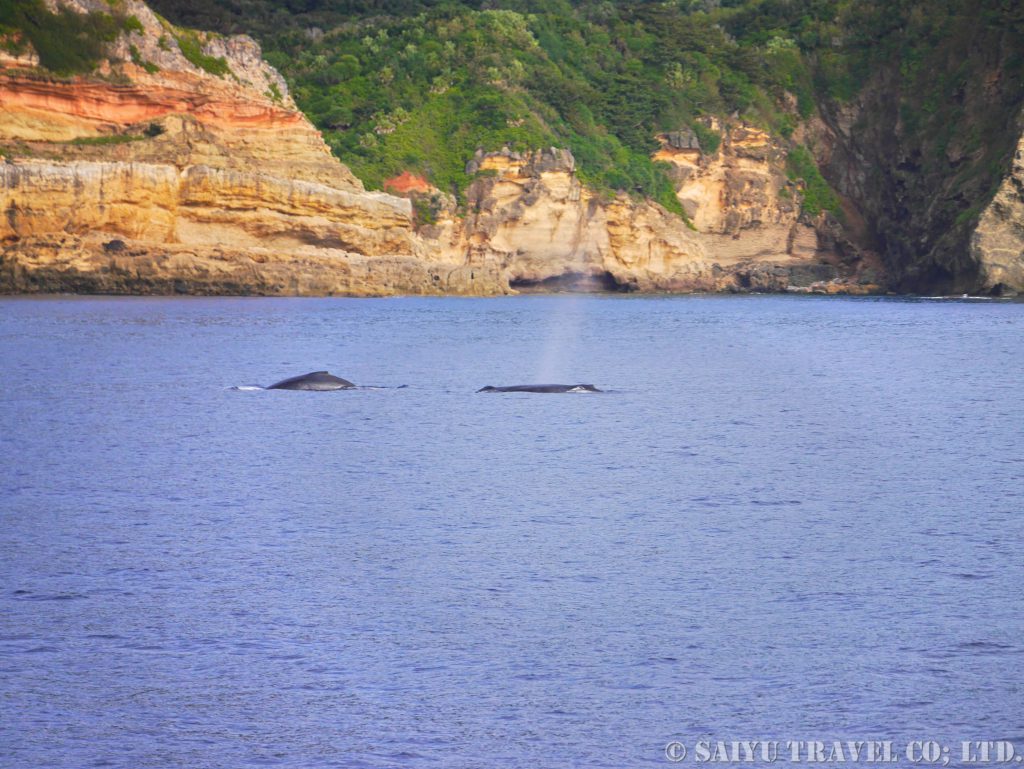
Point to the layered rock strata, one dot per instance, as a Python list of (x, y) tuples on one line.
[(531, 219), (154, 175), (997, 244)]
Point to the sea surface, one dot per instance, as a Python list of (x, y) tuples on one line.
[(789, 518)]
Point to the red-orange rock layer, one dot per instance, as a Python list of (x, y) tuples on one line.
[(122, 105), (406, 183)]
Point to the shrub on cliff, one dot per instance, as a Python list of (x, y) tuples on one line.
[(66, 42), (818, 196), (421, 84), (191, 48)]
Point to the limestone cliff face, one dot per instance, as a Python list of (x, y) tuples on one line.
[(154, 175), (748, 212), (997, 244), (531, 220), (244, 119)]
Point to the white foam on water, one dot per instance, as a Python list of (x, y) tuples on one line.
[(961, 297)]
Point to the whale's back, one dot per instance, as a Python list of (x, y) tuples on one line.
[(315, 380), (541, 388)]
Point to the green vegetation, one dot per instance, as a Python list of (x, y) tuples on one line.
[(192, 49), (151, 131), (420, 86), (99, 141), (709, 140), (149, 66), (818, 196), (423, 92), (66, 42), (968, 215), (426, 209), (132, 24)]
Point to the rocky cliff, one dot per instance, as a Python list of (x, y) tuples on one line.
[(925, 150), (152, 174), (180, 164), (533, 222), (997, 243), (900, 120)]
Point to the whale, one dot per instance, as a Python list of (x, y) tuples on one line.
[(541, 388), (314, 380)]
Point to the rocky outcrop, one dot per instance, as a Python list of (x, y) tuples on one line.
[(997, 244), (530, 219), (741, 201), (926, 154), (408, 184), (198, 205), (58, 263), (204, 183), (153, 175)]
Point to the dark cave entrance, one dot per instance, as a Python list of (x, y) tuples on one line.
[(575, 283)]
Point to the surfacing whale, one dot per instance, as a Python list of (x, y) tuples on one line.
[(541, 388), (314, 380)]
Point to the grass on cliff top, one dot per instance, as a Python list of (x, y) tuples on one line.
[(420, 85), (423, 93), (66, 42), (70, 43)]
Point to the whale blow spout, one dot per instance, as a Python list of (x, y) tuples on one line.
[(542, 388), (315, 380)]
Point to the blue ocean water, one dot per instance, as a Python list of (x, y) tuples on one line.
[(792, 518)]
